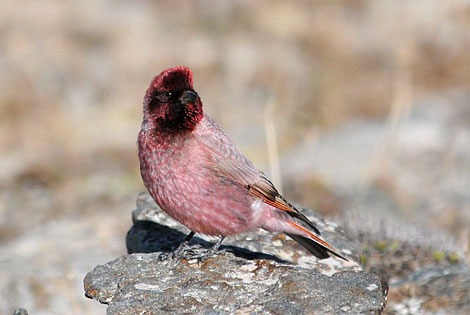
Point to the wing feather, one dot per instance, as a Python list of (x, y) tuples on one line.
[(227, 161)]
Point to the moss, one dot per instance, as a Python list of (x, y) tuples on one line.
[(453, 258), (381, 246), (363, 259), (438, 255), (394, 245)]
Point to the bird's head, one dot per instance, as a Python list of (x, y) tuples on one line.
[(171, 103)]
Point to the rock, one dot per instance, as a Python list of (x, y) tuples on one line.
[(422, 280), (20, 311), (227, 284), (258, 273), (434, 289)]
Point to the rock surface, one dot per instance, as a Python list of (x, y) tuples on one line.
[(259, 273), (225, 284), (434, 289)]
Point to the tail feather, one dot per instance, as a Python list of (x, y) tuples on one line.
[(319, 251), (314, 244)]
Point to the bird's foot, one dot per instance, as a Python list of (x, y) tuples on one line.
[(200, 254), (188, 253), (183, 251)]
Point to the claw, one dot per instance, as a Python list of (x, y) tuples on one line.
[(163, 257), (186, 252)]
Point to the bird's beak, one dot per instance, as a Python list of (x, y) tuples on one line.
[(188, 97)]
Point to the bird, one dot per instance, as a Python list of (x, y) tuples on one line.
[(197, 175)]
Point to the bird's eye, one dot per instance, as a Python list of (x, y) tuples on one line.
[(168, 94)]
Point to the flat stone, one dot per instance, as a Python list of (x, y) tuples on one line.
[(225, 284)]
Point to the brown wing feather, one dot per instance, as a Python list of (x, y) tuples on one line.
[(266, 191), (228, 162)]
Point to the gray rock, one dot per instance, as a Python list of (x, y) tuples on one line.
[(258, 273), (225, 284), (434, 289)]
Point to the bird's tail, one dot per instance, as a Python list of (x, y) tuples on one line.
[(315, 245)]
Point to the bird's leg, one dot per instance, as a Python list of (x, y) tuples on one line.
[(179, 250), (182, 247), (203, 254), (216, 246)]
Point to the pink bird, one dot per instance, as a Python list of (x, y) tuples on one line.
[(198, 176)]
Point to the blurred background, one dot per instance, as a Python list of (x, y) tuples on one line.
[(357, 109)]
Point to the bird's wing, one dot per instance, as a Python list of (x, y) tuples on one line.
[(228, 161), (265, 190)]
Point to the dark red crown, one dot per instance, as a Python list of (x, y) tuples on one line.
[(173, 79)]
